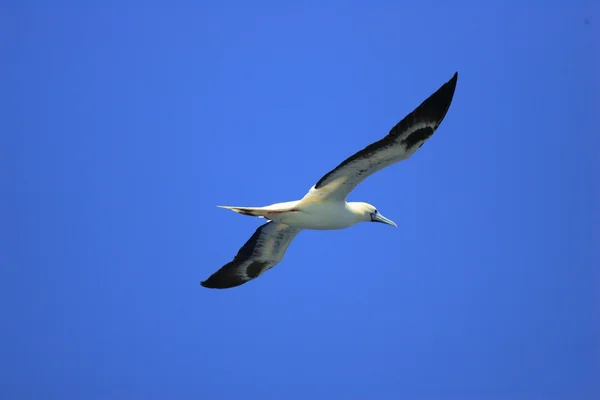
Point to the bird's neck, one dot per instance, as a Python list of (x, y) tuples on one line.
[(356, 208)]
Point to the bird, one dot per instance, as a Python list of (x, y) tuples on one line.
[(324, 207)]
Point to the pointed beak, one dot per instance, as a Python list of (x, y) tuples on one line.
[(380, 218)]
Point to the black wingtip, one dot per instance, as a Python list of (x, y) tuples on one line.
[(215, 284), (207, 284), (438, 104), (221, 280), (452, 82), (432, 110), (448, 88)]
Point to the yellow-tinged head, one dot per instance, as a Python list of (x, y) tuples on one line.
[(366, 212)]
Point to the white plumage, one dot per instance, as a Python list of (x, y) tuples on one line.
[(324, 207)]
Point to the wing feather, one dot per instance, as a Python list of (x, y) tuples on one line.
[(265, 249), (403, 140)]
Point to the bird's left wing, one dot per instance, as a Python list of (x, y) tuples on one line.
[(401, 142), (262, 251)]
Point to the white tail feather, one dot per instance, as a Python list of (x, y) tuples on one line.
[(251, 211)]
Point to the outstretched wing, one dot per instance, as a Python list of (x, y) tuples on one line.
[(402, 141), (262, 251)]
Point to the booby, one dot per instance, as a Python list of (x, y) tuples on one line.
[(325, 207)]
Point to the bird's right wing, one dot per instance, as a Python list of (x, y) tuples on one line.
[(262, 251), (402, 141)]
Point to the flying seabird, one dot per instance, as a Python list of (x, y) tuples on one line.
[(324, 206)]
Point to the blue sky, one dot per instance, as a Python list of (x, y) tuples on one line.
[(123, 128)]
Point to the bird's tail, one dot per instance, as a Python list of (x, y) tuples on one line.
[(251, 211)]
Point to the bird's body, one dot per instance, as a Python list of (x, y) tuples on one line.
[(307, 214), (324, 207)]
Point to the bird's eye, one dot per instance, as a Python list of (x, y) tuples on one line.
[(375, 211)]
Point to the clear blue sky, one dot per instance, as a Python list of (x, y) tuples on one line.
[(123, 128)]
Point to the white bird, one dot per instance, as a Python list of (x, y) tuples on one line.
[(325, 206)]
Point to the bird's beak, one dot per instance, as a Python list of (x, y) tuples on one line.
[(380, 218)]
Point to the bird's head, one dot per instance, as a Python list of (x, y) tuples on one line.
[(365, 212)]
